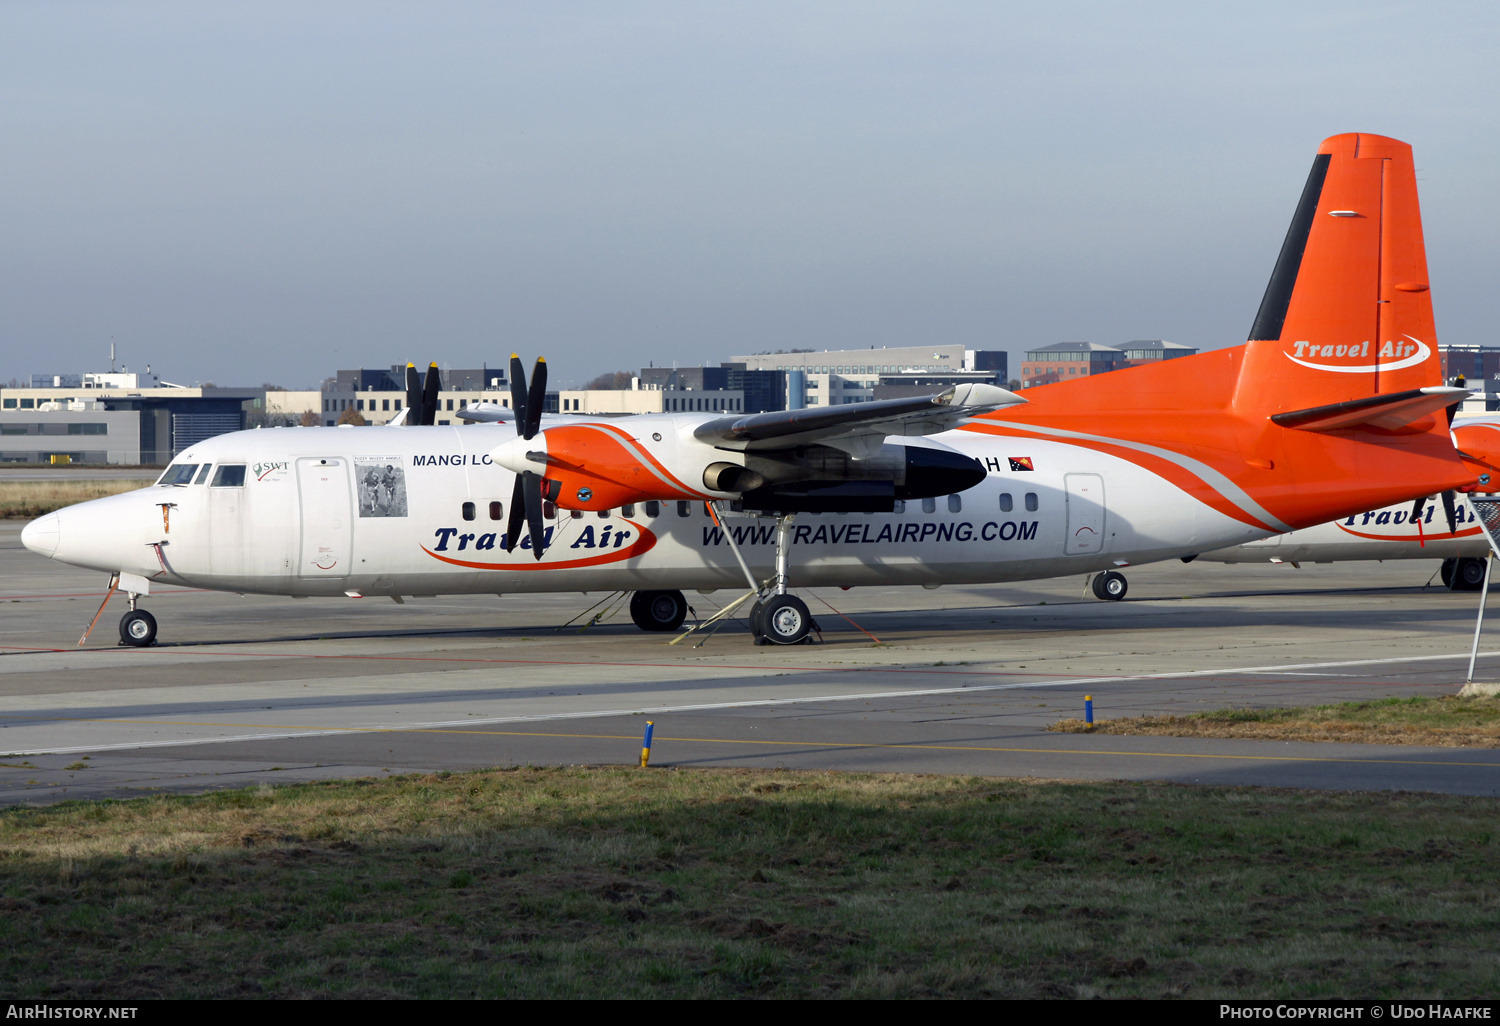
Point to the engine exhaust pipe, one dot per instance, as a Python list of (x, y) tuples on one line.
[(731, 477)]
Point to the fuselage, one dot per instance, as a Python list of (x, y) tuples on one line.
[(421, 511)]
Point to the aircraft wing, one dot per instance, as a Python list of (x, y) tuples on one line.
[(857, 425)]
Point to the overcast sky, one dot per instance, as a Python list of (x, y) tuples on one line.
[(271, 191)]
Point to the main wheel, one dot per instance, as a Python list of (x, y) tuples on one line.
[(1468, 575), (137, 628), (785, 620), (1110, 586), (658, 610), (757, 618)]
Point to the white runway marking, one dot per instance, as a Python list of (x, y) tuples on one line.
[(286, 733)]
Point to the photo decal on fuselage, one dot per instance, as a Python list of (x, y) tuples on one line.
[(382, 485)]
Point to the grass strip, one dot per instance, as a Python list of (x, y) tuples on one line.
[(31, 499), (1447, 722), (607, 882)]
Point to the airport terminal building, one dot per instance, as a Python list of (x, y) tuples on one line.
[(122, 419)]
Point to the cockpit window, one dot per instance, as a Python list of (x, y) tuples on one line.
[(178, 474), (229, 477), (203, 474)]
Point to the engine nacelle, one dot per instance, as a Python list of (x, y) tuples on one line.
[(597, 466)]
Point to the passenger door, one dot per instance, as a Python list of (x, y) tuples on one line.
[(323, 488)]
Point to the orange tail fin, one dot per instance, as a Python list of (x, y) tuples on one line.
[(1336, 403), (1347, 312)]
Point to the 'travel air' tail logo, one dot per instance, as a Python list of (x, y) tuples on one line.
[(1406, 353)]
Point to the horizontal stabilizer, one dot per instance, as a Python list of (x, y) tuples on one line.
[(485, 413), (1391, 412)]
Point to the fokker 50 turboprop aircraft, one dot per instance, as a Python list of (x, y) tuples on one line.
[(1334, 406)]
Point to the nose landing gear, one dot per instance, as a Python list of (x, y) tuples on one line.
[(137, 627)]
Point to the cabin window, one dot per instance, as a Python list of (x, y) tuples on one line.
[(468, 511), (899, 507), (497, 511), (1031, 503), (203, 474), (1006, 502), (604, 514), (178, 474), (577, 514), (549, 510), (929, 504), (955, 504), (653, 508), (628, 510), (684, 508), (229, 476)]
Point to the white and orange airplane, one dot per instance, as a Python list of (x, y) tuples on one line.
[(1334, 406)]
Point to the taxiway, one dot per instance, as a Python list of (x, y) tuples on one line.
[(245, 690)]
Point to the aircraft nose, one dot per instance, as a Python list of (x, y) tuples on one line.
[(41, 535)]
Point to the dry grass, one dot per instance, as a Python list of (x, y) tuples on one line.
[(1448, 722), (585, 882), (28, 499)]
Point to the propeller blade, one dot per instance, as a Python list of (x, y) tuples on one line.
[(1416, 510), (533, 486), (536, 397), (1449, 512), (517, 515), (413, 395), (518, 393), (430, 389)]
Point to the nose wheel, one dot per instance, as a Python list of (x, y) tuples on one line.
[(137, 628)]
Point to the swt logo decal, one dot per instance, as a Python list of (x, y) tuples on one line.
[(1406, 353)]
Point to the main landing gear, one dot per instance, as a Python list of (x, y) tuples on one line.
[(779, 618), (1110, 586), (776, 618), (658, 610), (1463, 574)]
